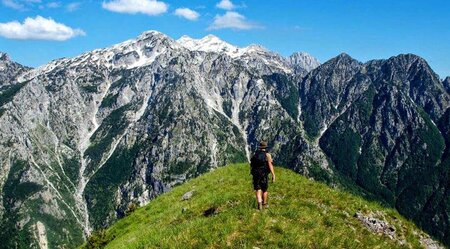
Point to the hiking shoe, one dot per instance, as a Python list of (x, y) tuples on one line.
[(265, 205), (260, 205)]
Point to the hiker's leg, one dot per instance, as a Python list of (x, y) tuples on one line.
[(265, 196), (259, 198), (259, 195)]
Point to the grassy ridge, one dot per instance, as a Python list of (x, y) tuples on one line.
[(302, 214)]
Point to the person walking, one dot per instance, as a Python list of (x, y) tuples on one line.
[(261, 164)]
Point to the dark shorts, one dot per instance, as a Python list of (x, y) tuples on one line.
[(261, 182)]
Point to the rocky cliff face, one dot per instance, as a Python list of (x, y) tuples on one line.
[(123, 124)]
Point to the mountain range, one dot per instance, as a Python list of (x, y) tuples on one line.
[(82, 138)]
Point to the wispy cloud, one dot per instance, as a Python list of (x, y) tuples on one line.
[(226, 5), (187, 13), (53, 5), (13, 4), (149, 7), (232, 20), (73, 6), (30, 4), (38, 28)]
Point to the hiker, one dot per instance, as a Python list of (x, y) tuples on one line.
[(261, 165)]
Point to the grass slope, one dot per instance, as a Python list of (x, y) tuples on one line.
[(302, 214)]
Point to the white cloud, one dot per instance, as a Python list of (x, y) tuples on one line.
[(232, 20), (187, 13), (149, 7), (39, 28), (226, 5), (73, 6)]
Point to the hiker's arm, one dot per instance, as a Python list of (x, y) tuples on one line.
[(272, 171)]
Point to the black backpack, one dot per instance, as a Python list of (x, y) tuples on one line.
[(259, 164)]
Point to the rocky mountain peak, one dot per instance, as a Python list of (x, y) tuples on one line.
[(407, 58), (152, 33), (152, 37), (411, 74), (341, 62), (411, 68), (404, 62), (303, 60), (327, 90), (10, 70), (4, 57), (344, 57)]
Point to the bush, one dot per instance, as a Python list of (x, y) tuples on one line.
[(131, 208), (98, 239)]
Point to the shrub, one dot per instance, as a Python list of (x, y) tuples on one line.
[(98, 239)]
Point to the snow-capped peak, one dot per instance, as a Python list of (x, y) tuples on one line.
[(250, 54), (212, 43), (209, 43), (132, 53)]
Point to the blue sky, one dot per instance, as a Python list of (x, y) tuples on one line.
[(364, 29)]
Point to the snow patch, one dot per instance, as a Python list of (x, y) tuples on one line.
[(211, 43)]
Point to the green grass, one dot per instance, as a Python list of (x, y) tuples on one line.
[(302, 214)]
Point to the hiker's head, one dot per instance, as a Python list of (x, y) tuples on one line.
[(263, 145)]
